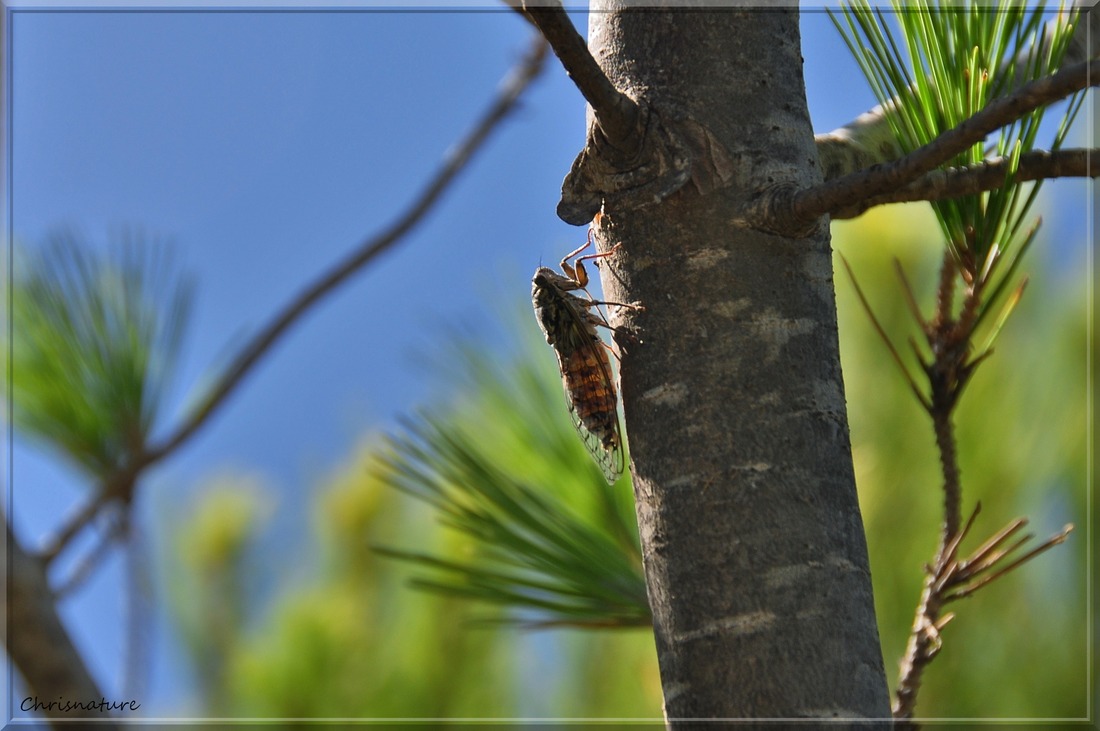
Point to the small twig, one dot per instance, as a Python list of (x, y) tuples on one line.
[(1056, 539), (847, 191), (366, 252), (72, 526), (118, 487), (882, 334), (93, 558), (955, 182), (910, 298), (950, 580), (615, 112)]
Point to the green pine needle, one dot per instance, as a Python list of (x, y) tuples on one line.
[(957, 58), (548, 537), (92, 342)]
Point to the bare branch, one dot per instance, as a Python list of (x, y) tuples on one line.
[(87, 565), (118, 487), (616, 113), (518, 81), (987, 175), (1055, 540), (849, 190)]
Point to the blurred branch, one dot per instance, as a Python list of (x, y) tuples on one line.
[(119, 485), (37, 642), (40, 647), (990, 174), (514, 86), (847, 191), (116, 531)]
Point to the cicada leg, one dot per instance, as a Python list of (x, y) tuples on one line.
[(576, 271)]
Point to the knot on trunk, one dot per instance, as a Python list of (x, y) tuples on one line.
[(625, 178), (668, 154)]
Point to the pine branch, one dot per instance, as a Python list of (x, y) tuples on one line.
[(868, 140), (849, 190), (955, 182), (949, 337)]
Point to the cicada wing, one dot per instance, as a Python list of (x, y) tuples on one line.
[(611, 457), (593, 402), (570, 328)]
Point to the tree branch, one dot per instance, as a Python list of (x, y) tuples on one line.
[(949, 336), (518, 81), (847, 191), (37, 642), (989, 174), (616, 113)]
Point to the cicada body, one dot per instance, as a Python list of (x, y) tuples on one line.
[(569, 323)]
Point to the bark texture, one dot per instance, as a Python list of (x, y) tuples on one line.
[(753, 544)]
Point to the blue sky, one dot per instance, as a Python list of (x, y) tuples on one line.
[(265, 145)]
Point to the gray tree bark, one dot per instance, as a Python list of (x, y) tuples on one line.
[(733, 399)]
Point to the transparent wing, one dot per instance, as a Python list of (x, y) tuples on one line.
[(611, 458)]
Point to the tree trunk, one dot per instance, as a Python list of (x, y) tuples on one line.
[(38, 644), (733, 399)]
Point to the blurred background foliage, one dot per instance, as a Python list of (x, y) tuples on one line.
[(93, 346), (343, 634)]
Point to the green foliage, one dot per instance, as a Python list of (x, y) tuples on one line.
[(1022, 446), (552, 539), (337, 637), (343, 637), (957, 58), (209, 559), (92, 343)]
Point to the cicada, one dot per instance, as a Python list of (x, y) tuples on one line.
[(569, 323)]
